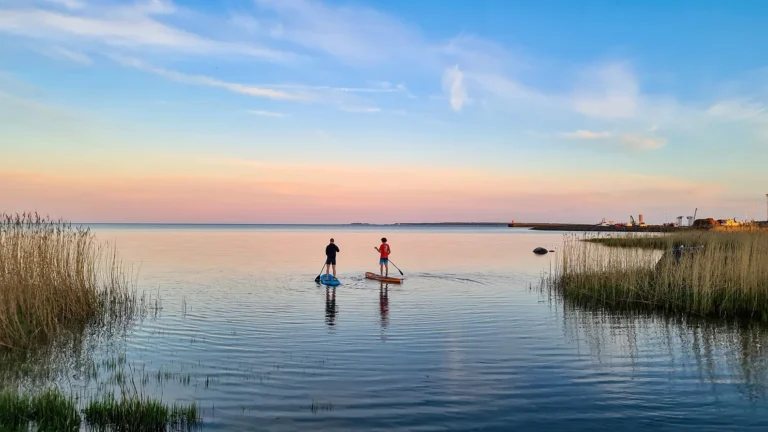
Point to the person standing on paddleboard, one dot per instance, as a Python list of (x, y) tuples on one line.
[(384, 250), (330, 258)]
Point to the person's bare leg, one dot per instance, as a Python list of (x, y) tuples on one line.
[(334, 271), (327, 269), (381, 269), (387, 267)]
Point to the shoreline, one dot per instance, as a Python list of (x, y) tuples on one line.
[(534, 226), (597, 228)]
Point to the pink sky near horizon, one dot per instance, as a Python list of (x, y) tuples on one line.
[(236, 191)]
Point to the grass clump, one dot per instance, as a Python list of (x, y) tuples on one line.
[(53, 411), (139, 414), (705, 273), (47, 411), (54, 276)]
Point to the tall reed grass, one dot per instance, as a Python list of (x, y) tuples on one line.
[(722, 274), (55, 277)]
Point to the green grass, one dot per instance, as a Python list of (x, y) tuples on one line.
[(140, 414), (53, 411), (47, 411), (726, 276)]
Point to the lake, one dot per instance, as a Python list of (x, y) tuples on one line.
[(468, 342)]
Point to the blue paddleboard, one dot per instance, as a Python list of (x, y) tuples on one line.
[(329, 280)]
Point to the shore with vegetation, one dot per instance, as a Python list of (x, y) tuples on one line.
[(59, 285), (703, 272)]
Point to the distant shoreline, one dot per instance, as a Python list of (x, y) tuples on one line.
[(533, 226), (354, 224)]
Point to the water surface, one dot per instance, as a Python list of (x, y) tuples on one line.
[(468, 342)]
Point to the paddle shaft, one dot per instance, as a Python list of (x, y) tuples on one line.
[(398, 268), (317, 279)]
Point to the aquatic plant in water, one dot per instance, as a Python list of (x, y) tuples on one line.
[(53, 411), (714, 273), (56, 277)]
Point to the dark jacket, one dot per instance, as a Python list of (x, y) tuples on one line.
[(331, 249)]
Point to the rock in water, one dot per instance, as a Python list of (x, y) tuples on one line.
[(539, 251)]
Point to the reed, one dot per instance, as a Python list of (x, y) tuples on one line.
[(140, 414), (46, 411), (54, 277), (52, 411), (722, 274)]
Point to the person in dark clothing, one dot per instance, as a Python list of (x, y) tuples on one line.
[(330, 258)]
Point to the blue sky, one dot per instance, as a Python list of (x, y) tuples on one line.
[(661, 103)]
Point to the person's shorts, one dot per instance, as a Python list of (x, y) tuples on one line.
[(383, 260), (331, 261)]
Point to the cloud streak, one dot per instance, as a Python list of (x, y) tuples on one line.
[(628, 140), (210, 82), (266, 113), (122, 28), (586, 134), (69, 55), (69, 4)]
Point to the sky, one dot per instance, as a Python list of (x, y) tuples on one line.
[(383, 111)]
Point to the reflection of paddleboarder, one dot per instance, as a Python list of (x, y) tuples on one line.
[(330, 306), (384, 304)]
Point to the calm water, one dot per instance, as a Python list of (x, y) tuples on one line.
[(464, 344)]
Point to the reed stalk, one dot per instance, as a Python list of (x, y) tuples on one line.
[(55, 276), (722, 274)]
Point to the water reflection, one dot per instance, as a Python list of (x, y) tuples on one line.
[(384, 304), (717, 353), (330, 306)]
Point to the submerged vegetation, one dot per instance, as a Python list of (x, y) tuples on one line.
[(53, 411), (56, 277), (719, 274)]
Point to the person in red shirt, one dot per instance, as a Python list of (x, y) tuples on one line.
[(384, 250)]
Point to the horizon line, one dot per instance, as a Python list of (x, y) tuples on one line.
[(290, 224)]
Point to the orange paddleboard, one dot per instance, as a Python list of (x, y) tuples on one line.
[(386, 279)]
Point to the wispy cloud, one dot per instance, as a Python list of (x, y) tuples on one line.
[(609, 91), (397, 89), (210, 82), (122, 28), (630, 141), (453, 84), (739, 109), (586, 134), (352, 34), (637, 142), (266, 113), (69, 4), (66, 54)]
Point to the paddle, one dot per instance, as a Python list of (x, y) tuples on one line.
[(390, 261), (398, 268), (317, 279)]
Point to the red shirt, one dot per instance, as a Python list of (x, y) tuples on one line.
[(384, 249)]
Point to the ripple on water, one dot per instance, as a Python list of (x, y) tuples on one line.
[(447, 350)]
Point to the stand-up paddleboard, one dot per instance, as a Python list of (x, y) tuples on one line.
[(329, 280), (387, 279)]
